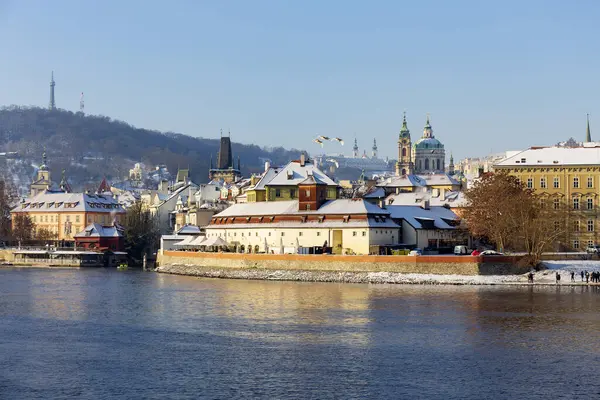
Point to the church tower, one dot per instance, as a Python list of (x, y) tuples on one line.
[(52, 104), (42, 180), (404, 165)]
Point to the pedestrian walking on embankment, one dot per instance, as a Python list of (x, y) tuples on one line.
[(557, 278), (572, 276)]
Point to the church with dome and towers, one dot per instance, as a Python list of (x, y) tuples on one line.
[(424, 156)]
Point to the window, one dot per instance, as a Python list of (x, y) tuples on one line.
[(576, 204), (318, 233), (269, 233), (576, 183), (575, 226), (590, 225), (590, 203), (556, 204), (77, 218), (590, 243), (242, 234), (529, 183), (364, 233), (282, 233), (308, 207), (299, 233), (556, 183), (68, 218), (575, 244), (277, 192), (307, 192), (354, 233), (255, 233), (543, 183), (590, 182), (292, 193), (33, 218), (556, 225)]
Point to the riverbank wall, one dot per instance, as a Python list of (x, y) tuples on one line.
[(195, 262)]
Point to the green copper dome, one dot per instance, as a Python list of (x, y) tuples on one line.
[(428, 143)]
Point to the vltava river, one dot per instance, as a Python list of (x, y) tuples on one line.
[(99, 334)]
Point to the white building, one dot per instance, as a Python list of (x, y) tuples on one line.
[(348, 226)]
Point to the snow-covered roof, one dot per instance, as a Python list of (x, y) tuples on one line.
[(97, 230), (60, 201), (188, 230), (553, 156), (370, 222), (267, 176), (375, 193), (418, 180), (290, 207), (451, 198), (294, 173), (416, 215)]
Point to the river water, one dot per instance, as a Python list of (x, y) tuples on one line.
[(100, 334)]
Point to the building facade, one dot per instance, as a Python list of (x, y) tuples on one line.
[(66, 214), (569, 180), (347, 226)]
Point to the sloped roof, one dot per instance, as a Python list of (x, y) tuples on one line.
[(553, 156), (294, 173), (188, 230), (451, 198), (412, 215), (97, 230), (419, 180), (60, 201), (290, 207), (267, 176)]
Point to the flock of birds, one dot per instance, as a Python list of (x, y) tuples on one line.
[(320, 139)]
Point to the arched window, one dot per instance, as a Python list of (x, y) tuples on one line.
[(404, 152), (438, 164), (403, 171), (419, 165), (426, 164)]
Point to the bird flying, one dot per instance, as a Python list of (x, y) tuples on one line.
[(317, 140), (324, 137), (337, 139)]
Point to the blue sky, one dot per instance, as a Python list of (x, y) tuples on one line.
[(494, 76)]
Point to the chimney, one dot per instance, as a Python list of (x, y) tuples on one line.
[(425, 205), (267, 165), (302, 159)]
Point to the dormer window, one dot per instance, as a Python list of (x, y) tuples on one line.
[(346, 218), (321, 218), (290, 174)]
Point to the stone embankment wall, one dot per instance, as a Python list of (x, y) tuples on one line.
[(443, 265)]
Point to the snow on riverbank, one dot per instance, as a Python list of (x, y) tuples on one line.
[(544, 277)]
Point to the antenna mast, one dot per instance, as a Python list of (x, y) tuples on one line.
[(81, 104)]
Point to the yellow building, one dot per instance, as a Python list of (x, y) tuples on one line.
[(569, 178), (280, 184), (66, 214)]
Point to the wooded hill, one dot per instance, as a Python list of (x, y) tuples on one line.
[(91, 146)]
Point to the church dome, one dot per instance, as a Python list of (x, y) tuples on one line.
[(428, 143)]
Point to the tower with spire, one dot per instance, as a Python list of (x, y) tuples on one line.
[(52, 104), (42, 181), (374, 154), (451, 165), (404, 165), (588, 135), (355, 149)]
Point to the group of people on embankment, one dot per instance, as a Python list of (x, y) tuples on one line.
[(586, 277)]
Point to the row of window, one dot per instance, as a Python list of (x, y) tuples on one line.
[(576, 243), (556, 183), (300, 233), (576, 203), (577, 225)]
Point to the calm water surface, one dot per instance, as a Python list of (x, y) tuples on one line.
[(99, 334)]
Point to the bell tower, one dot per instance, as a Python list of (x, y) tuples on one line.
[(404, 166)]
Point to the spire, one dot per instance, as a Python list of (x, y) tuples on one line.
[(44, 165), (64, 184), (52, 104), (404, 130), (451, 165), (588, 135), (427, 130)]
